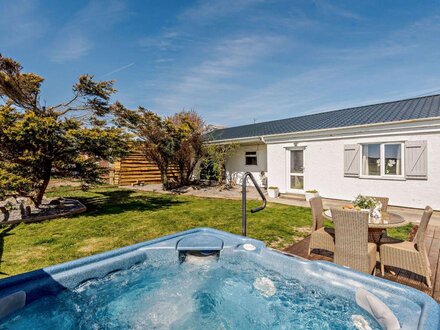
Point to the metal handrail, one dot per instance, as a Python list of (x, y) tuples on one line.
[(243, 200)]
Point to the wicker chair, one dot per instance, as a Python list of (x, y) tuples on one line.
[(383, 200), (352, 248), (321, 237), (411, 256)]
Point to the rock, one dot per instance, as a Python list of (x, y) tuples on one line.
[(28, 211), (85, 187), (9, 202), (5, 213)]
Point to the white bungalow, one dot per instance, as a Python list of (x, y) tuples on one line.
[(388, 149)]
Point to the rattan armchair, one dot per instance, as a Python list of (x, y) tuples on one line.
[(352, 248), (411, 256), (321, 237)]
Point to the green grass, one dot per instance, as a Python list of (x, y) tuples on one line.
[(119, 217)]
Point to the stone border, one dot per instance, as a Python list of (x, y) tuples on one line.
[(79, 209)]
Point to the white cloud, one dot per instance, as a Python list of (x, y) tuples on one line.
[(324, 89), (418, 39), (77, 37), (20, 23), (329, 7), (375, 51), (165, 41), (229, 59), (206, 11), (72, 48), (229, 79)]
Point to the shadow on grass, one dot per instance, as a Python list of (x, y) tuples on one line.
[(4, 231), (119, 201)]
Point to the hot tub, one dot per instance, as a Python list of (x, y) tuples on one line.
[(203, 279)]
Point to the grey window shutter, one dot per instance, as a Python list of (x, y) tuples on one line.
[(416, 160), (351, 160)]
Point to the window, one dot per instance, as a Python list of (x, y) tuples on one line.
[(382, 159), (393, 159), (296, 161), (251, 158), (371, 159)]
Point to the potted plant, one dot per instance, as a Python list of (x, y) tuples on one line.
[(364, 203), (273, 192), (368, 204), (311, 194)]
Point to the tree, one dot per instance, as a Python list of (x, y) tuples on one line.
[(191, 148), (215, 159), (38, 142), (157, 137), (168, 141)]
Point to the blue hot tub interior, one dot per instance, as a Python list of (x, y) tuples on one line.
[(202, 278)]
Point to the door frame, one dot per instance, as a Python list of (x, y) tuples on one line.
[(289, 174)]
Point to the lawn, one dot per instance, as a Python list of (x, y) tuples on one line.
[(119, 217)]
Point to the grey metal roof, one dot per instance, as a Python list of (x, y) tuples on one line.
[(415, 108)]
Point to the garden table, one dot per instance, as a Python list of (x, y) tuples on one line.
[(376, 227)]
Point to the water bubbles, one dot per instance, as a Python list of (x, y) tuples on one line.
[(233, 292), (360, 322), (200, 260), (265, 286)]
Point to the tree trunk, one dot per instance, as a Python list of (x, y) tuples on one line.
[(164, 177), (191, 168), (182, 180), (223, 174), (40, 194), (42, 188)]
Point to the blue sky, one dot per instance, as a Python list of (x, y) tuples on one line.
[(233, 61)]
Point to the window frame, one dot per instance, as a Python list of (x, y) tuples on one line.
[(246, 156), (383, 175)]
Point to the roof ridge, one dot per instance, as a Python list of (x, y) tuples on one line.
[(330, 111)]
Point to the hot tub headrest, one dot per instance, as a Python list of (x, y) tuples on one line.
[(381, 312), (200, 242)]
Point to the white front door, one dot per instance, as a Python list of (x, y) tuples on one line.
[(295, 178)]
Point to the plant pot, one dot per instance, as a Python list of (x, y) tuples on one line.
[(273, 193), (309, 196)]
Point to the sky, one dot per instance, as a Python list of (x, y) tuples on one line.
[(233, 61)]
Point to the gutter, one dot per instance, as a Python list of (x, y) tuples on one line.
[(248, 139)]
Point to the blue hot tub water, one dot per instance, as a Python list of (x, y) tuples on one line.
[(163, 286)]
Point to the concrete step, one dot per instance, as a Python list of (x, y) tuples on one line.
[(298, 197)]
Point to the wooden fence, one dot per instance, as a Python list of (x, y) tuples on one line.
[(135, 169)]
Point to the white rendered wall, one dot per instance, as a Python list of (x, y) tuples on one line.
[(236, 165), (324, 166)]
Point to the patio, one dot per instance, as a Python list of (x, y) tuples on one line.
[(401, 276)]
